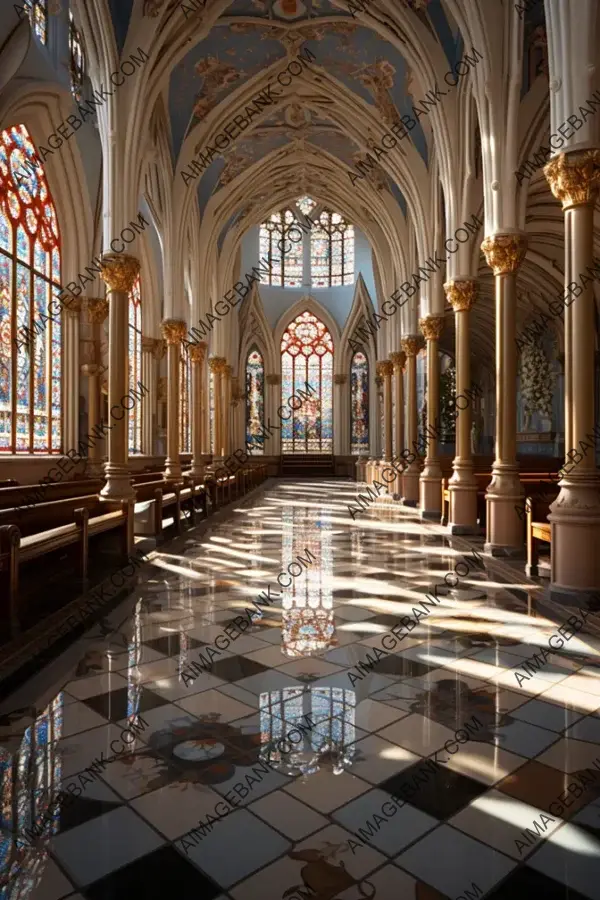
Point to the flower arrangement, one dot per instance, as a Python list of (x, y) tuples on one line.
[(537, 381)]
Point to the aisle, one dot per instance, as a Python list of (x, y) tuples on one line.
[(306, 705)]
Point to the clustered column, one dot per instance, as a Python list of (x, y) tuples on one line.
[(97, 311), (431, 476), (574, 179), (462, 293), (119, 273), (151, 348), (387, 368), (217, 367), (174, 331), (197, 356), (410, 479), (504, 254), (399, 361), (227, 409)]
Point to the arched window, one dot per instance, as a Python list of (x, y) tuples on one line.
[(359, 398), (184, 402), (76, 59), (255, 402), (307, 365), (38, 16), (30, 326), (286, 267), (135, 364), (332, 251)]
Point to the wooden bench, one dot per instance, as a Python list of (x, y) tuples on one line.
[(529, 480), (27, 494), (27, 534), (538, 529)]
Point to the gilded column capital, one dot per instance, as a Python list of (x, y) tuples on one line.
[(228, 370), (274, 379), (148, 344), (504, 252), (197, 352), (119, 272), (411, 345), (385, 368), (398, 359), (174, 330), (217, 364), (432, 327), (461, 294), (97, 309), (160, 348), (91, 369), (340, 379), (73, 307), (574, 177)]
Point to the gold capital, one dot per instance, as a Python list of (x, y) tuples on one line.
[(197, 351), (504, 252), (97, 310), (73, 306), (432, 327), (385, 368), (174, 330), (461, 294), (398, 359), (574, 178), (228, 371), (217, 364), (119, 272), (411, 345), (342, 378)]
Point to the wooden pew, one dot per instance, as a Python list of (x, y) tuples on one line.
[(27, 494), (538, 527), (529, 480)]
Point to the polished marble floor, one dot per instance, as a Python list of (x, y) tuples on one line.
[(364, 735)]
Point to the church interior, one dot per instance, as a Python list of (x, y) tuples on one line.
[(299, 396)]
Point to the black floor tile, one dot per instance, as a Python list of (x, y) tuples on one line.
[(401, 667), (436, 790), (115, 705), (234, 668), (170, 644), (83, 810), (162, 873), (528, 884)]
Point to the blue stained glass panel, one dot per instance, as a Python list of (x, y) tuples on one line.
[(255, 402), (307, 359), (359, 401)]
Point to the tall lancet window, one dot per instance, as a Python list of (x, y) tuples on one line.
[(135, 365), (76, 59), (211, 402), (332, 251), (359, 398), (307, 380), (185, 439), (30, 313), (255, 402), (284, 255), (37, 11)]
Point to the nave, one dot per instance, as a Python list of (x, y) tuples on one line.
[(285, 681)]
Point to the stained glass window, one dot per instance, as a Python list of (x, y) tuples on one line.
[(135, 364), (307, 365), (30, 327), (285, 267), (38, 16), (305, 205), (76, 59), (359, 398), (255, 403), (211, 418), (185, 438), (331, 251)]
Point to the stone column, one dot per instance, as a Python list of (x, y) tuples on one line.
[(431, 476), (342, 436), (387, 368), (71, 371), (148, 401), (574, 179), (97, 311), (227, 410), (119, 273), (504, 496), (217, 367), (174, 331), (399, 361), (462, 293), (273, 445), (410, 479), (238, 420), (197, 405)]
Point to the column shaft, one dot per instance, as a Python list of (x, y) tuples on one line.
[(197, 402), (430, 482), (410, 478), (174, 331), (217, 367), (119, 273), (504, 520), (388, 368), (399, 361)]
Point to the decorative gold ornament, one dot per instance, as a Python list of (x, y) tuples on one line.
[(97, 309), (398, 359), (228, 371), (119, 272), (174, 330), (432, 327), (340, 379), (505, 252), (574, 178), (160, 348), (461, 294), (197, 352), (73, 306), (217, 364), (411, 345), (385, 368), (274, 379)]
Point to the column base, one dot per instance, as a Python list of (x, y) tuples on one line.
[(196, 470), (410, 486), (173, 469), (505, 532), (430, 491), (588, 600), (118, 483), (575, 520), (462, 518)]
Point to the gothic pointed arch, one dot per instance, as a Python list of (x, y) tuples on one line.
[(362, 310), (255, 329)]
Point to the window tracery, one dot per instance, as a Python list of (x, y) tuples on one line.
[(30, 328), (359, 398), (185, 435), (76, 59), (37, 10), (255, 402), (332, 251)]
